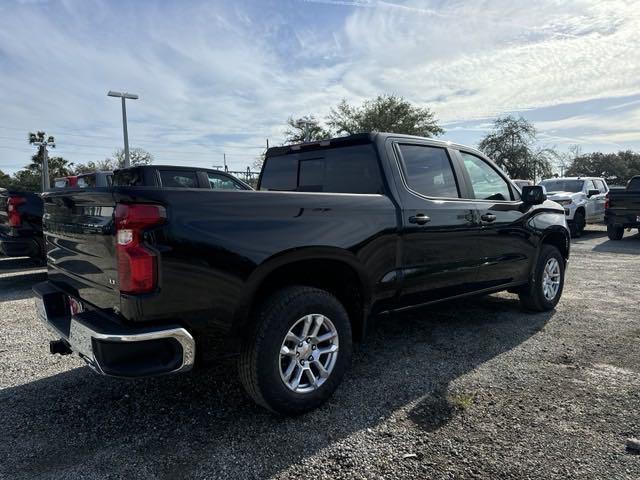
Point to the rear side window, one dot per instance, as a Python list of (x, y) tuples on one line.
[(428, 171), (352, 169), (178, 179)]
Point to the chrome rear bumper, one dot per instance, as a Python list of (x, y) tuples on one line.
[(112, 349)]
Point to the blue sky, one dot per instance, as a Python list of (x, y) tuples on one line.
[(221, 77)]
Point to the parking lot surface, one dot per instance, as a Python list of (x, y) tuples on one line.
[(471, 389)]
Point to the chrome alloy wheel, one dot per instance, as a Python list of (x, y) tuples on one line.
[(551, 279), (308, 353)]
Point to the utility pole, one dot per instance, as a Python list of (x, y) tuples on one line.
[(224, 159), (41, 141), (123, 97)]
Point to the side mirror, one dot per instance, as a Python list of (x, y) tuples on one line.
[(534, 194), (591, 193)]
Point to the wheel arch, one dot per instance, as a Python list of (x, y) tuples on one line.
[(559, 238), (332, 269)]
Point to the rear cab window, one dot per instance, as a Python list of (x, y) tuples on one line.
[(349, 169)]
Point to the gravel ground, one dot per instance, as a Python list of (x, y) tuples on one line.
[(475, 389)]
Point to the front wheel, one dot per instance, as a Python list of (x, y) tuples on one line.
[(547, 281), (615, 232), (578, 224), (297, 352)]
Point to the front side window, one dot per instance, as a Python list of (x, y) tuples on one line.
[(220, 182), (486, 182), (600, 186), (428, 171)]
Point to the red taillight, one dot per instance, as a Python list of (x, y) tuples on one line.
[(137, 265), (15, 219), (607, 202)]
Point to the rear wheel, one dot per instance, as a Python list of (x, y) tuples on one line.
[(297, 352), (615, 232), (577, 227), (547, 281)]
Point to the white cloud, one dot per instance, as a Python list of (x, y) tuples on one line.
[(216, 76)]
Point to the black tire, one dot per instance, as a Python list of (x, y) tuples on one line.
[(259, 362), (578, 224), (615, 232), (532, 295)]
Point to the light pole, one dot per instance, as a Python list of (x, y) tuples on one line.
[(123, 97), (41, 141)]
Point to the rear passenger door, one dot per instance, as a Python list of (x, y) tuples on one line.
[(440, 253), (506, 246)]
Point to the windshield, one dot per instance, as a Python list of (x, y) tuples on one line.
[(563, 185)]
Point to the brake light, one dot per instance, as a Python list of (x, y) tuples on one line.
[(15, 218), (137, 264), (607, 201)]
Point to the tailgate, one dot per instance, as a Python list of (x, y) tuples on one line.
[(79, 234), (4, 216)]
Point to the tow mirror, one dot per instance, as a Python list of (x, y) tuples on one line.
[(534, 194), (591, 193)]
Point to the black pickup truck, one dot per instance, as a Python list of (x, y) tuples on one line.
[(622, 209), (21, 224), (146, 281)]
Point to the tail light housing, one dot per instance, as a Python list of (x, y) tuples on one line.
[(607, 201), (137, 264), (15, 218)]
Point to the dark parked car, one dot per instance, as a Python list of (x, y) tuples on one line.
[(622, 209), (146, 281), (85, 180), (21, 224), (169, 176)]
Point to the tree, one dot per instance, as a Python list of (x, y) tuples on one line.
[(615, 168), (137, 156), (512, 145), (30, 177), (305, 129), (385, 113), (5, 180)]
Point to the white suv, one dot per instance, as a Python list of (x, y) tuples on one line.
[(583, 199)]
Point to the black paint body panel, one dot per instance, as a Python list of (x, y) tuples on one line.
[(217, 247)]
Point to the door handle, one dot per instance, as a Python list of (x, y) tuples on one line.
[(420, 219), (488, 217)]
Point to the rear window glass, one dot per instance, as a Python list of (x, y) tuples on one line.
[(563, 185), (178, 179), (352, 169)]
